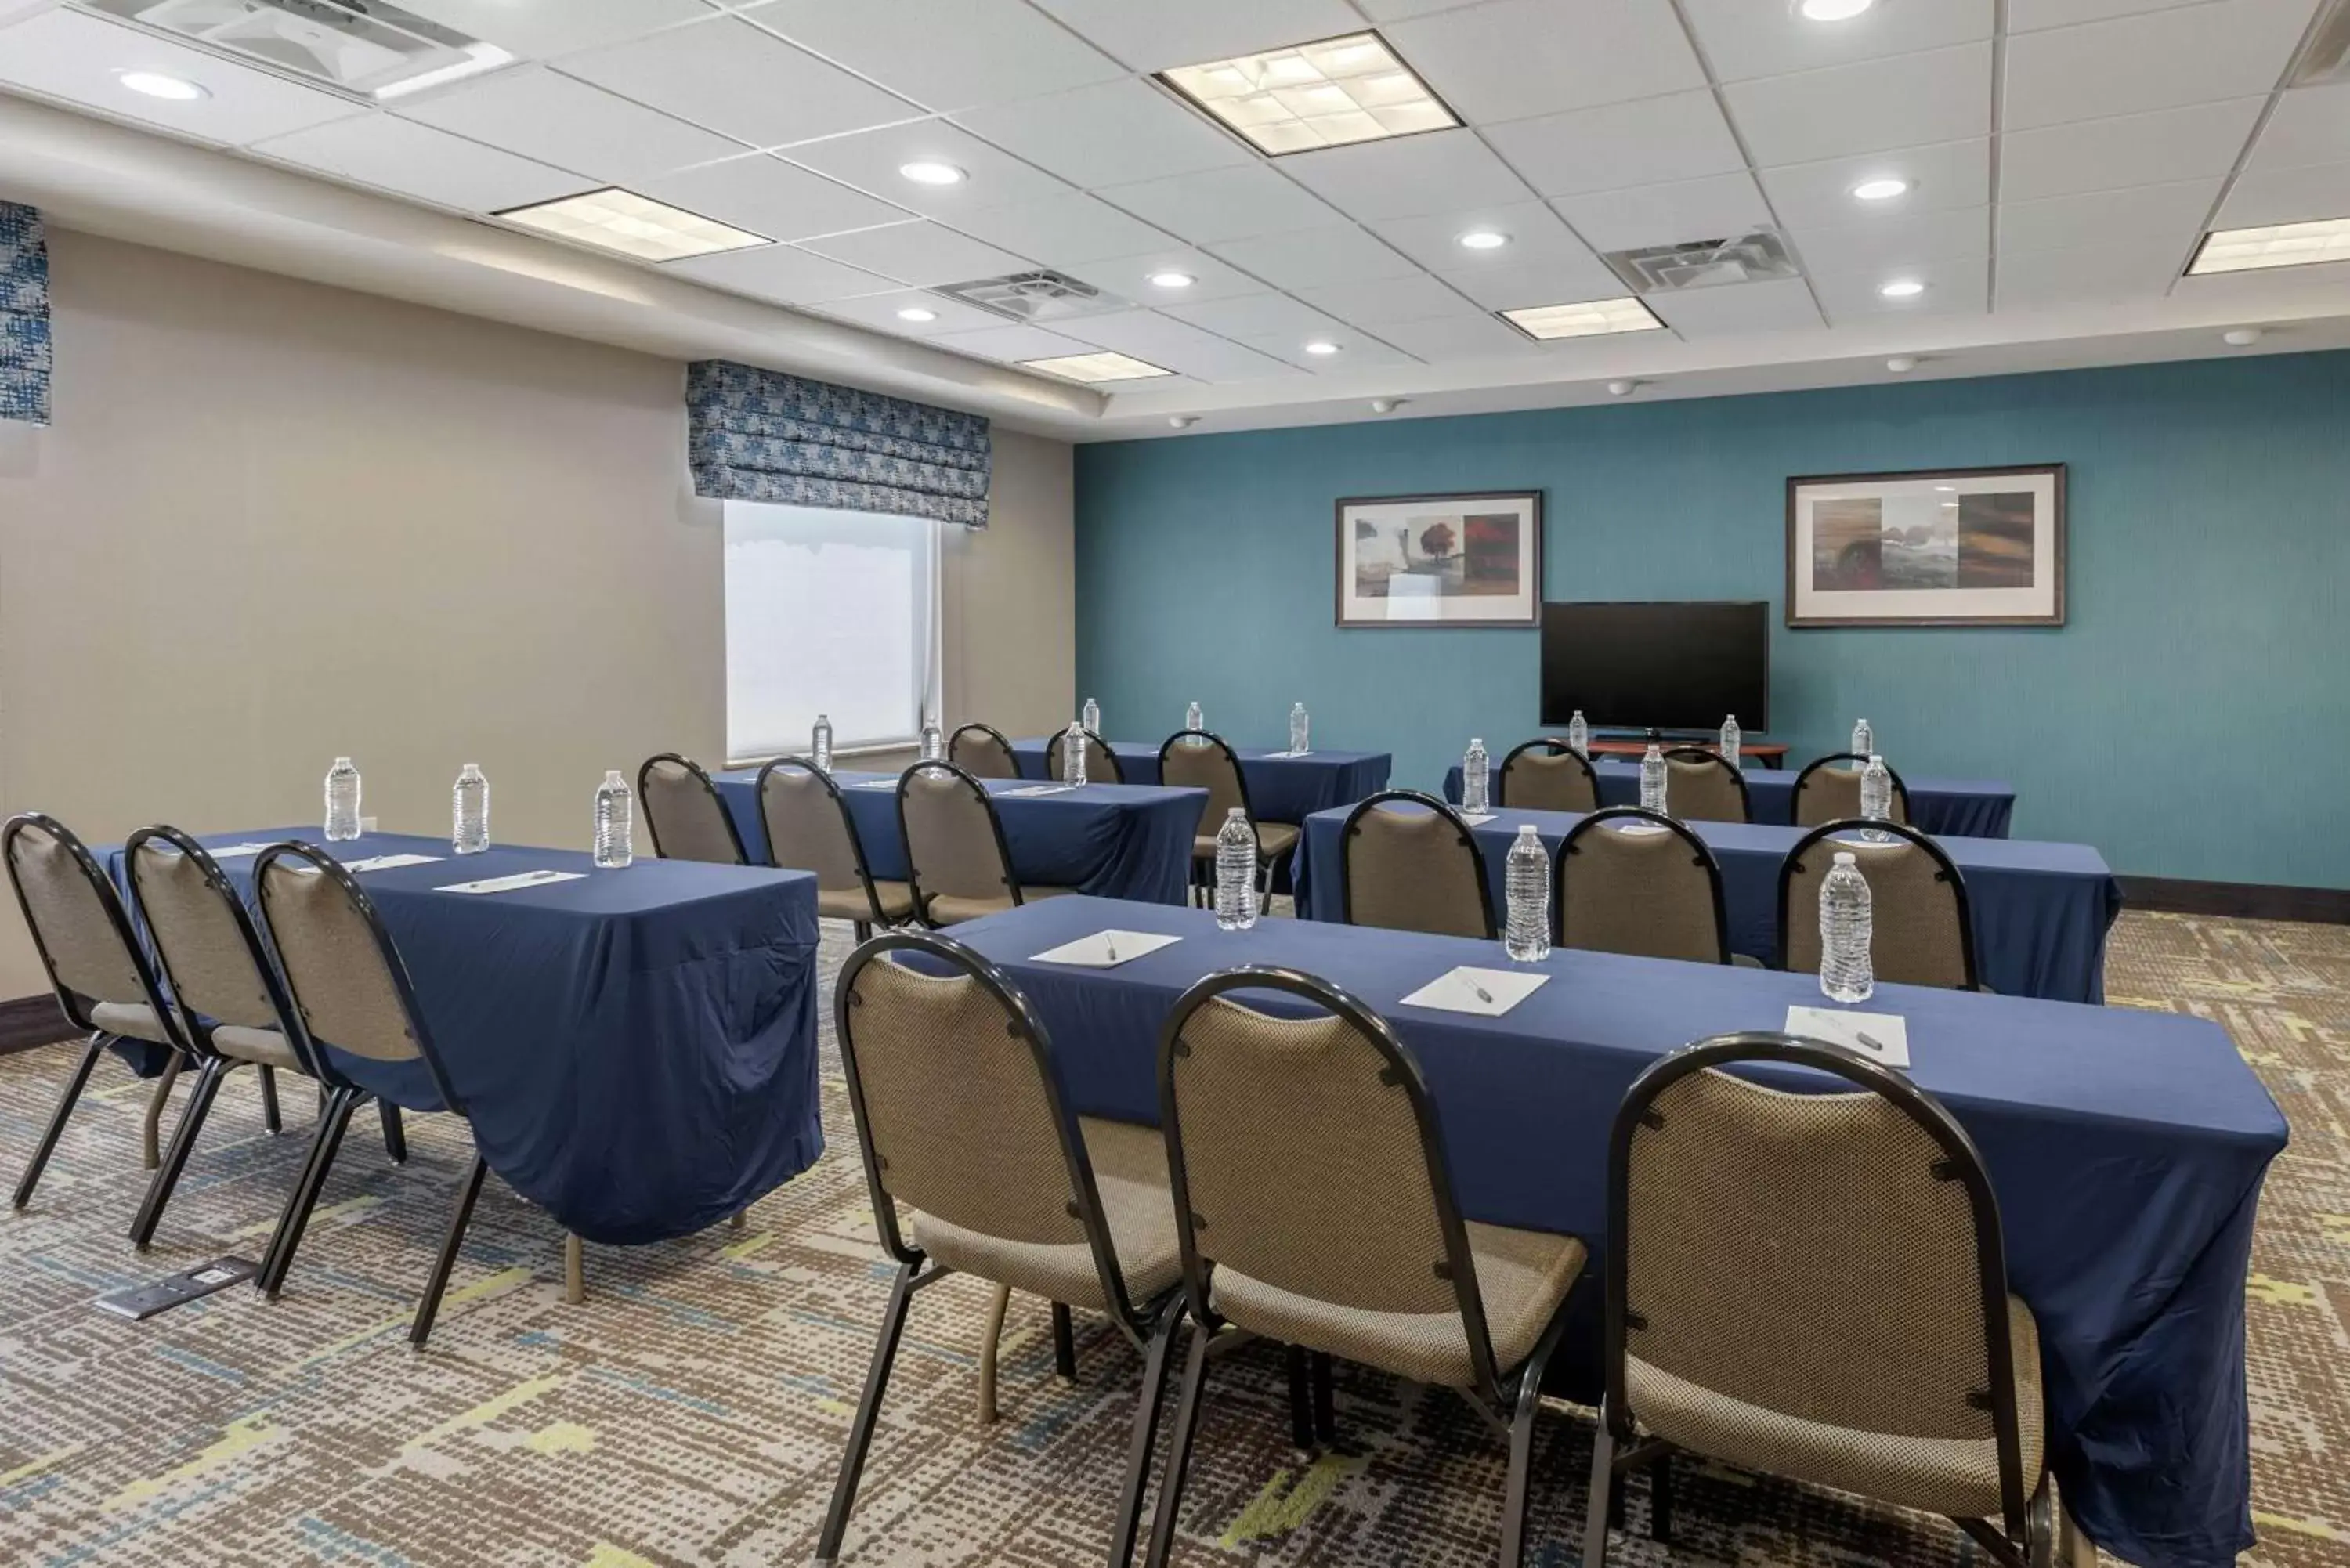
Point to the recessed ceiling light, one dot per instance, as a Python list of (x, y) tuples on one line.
[(2274, 245), (930, 172), (1321, 345), (1585, 318), (1172, 280), (916, 313), (155, 84), (1880, 190), (1902, 364), (1830, 10), (1483, 240), (1328, 94), (1952, 489), (616, 220), (1094, 368), (1902, 288), (2241, 337)]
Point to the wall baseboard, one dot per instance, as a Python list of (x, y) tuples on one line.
[(29, 1021), (2238, 900)]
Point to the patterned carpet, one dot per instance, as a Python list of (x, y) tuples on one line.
[(692, 1410)]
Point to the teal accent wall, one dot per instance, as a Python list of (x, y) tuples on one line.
[(2208, 582)]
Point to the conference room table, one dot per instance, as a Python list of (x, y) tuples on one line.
[(635, 1048), (2041, 911), (1283, 786), (2127, 1150), (1117, 841), (1946, 808)]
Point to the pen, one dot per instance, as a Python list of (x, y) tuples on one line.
[(1871, 1041), (1110, 942), (1482, 994)]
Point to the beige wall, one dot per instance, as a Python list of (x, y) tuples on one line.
[(274, 522)]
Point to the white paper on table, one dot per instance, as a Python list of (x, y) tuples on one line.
[(1477, 818), (875, 784), (1638, 829), (1287, 755), (235, 851), (1457, 990), (509, 884), (1039, 789), (1882, 1037), (386, 862), (1106, 949)]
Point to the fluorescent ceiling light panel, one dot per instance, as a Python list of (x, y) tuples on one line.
[(616, 220), (1102, 367), (1331, 94), (1588, 319), (2274, 245)]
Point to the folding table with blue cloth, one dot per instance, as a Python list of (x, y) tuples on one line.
[(1945, 808), (2126, 1148), (1282, 786)]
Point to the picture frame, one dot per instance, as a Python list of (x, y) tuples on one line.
[(1933, 547), (1466, 559)]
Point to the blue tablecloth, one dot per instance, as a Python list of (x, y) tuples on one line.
[(2127, 1149), (1946, 809), (635, 1050), (1114, 841), (1281, 788), (2041, 911)]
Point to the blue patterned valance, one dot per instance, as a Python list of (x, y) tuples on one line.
[(24, 315), (762, 435)]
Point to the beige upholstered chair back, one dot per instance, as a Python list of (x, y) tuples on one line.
[(197, 935), (950, 840), (1101, 762), (1646, 894), (1304, 1161), (1413, 870), (1546, 780), (1703, 790), (982, 753), (1800, 1253), (806, 828), (74, 917), (688, 819), (1917, 933), (1832, 794), (333, 967), (954, 1105), (1185, 765)]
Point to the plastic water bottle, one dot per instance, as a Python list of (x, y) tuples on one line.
[(1864, 739), (616, 821), (1527, 935), (1578, 735), (1652, 780), (471, 807), (1474, 769), (820, 744), (1731, 737), (1876, 798), (1845, 972), (342, 801), (1092, 717), (1297, 729), (1072, 755), (1194, 719), (1235, 873), (934, 740)]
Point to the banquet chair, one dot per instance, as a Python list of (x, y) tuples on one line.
[(1101, 762), (1003, 1180), (1196, 759), (1545, 776), (981, 750), (1814, 1286), (958, 866), (1824, 792), (809, 828), (685, 813), (1703, 786), (1314, 1203), (1416, 869), (1922, 931), (1652, 894)]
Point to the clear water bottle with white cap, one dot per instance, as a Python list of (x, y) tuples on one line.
[(470, 805), (1091, 717), (1732, 737), (1072, 755), (1845, 972), (616, 823), (820, 744), (1297, 729), (342, 801), (1474, 771), (1864, 739), (1235, 872), (1526, 936), (1876, 798), (1652, 780), (1578, 735), (934, 740), (1194, 719)]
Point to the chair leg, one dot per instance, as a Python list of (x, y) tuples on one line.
[(1146, 1435), (296, 1218), (1596, 1505), (175, 1159), (991, 1336), (1301, 1396), (1065, 1343), (395, 1132), (1325, 1400), (862, 930), (437, 1286), (574, 1270), (869, 1409), (1522, 1449), (66, 1099), (150, 1137), (1178, 1450), (270, 1117), (1660, 1498)]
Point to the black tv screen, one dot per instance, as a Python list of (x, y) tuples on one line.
[(1676, 666)]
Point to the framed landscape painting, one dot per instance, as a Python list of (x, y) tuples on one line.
[(1440, 560), (1972, 547)]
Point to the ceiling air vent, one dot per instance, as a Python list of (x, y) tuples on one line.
[(363, 48), (1704, 264), (1031, 295), (2327, 56)]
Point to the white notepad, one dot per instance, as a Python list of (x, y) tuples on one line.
[(1487, 993), (1476, 818), (386, 862), (1889, 1032), (1038, 789), (876, 783), (1106, 949), (1638, 829), (235, 851), (1271, 755), (508, 884)]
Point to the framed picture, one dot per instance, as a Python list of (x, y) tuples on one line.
[(1969, 546), (1440, 560)]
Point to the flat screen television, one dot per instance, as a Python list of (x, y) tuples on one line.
[(1663, 666)]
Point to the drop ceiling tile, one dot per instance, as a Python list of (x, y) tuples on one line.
[(571, 125), (1897, 240), (1118, 134), (2031, 16), (1719, 205), (1380, 303), (921, 253), (1680, 136), (1062, 231), (740, 82), (1011, 343), (870, 159), (2087, 275), (946, 54), (77, 58), (2128, 150), (1131, 276), (1735, 309), (1176, 346), (1518, 288), (783, 274), (1441, 172), (416, 160), (1938, 94), (1507, 59), (2161, 59), (1946, 175), (542, 29), (1151, 37), (1256, 316), (1224, 205), (2287, 196), (1311, 258), (1954, 286), (2159, 220), (879, 311), (1477, 337), (1356, 351), (1401, 10), (1537, 235), (765, 195), (2310, 125), (1745, 38)]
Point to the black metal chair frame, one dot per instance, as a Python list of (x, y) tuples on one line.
[(993, 733), (1703, 855), (863, 929), (1945, 870), (994, 823), (1556, 748), (1149, 1327), (2028, 1537), (1795, 793), (1204, 871), (1052, 759), (1508, 1406), (1715, 758), (1420, 798), (709, 787)]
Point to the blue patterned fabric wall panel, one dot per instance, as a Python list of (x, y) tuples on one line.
[(25, 353), (762, 435)]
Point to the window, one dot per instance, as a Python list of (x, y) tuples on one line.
[(828, 612)]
